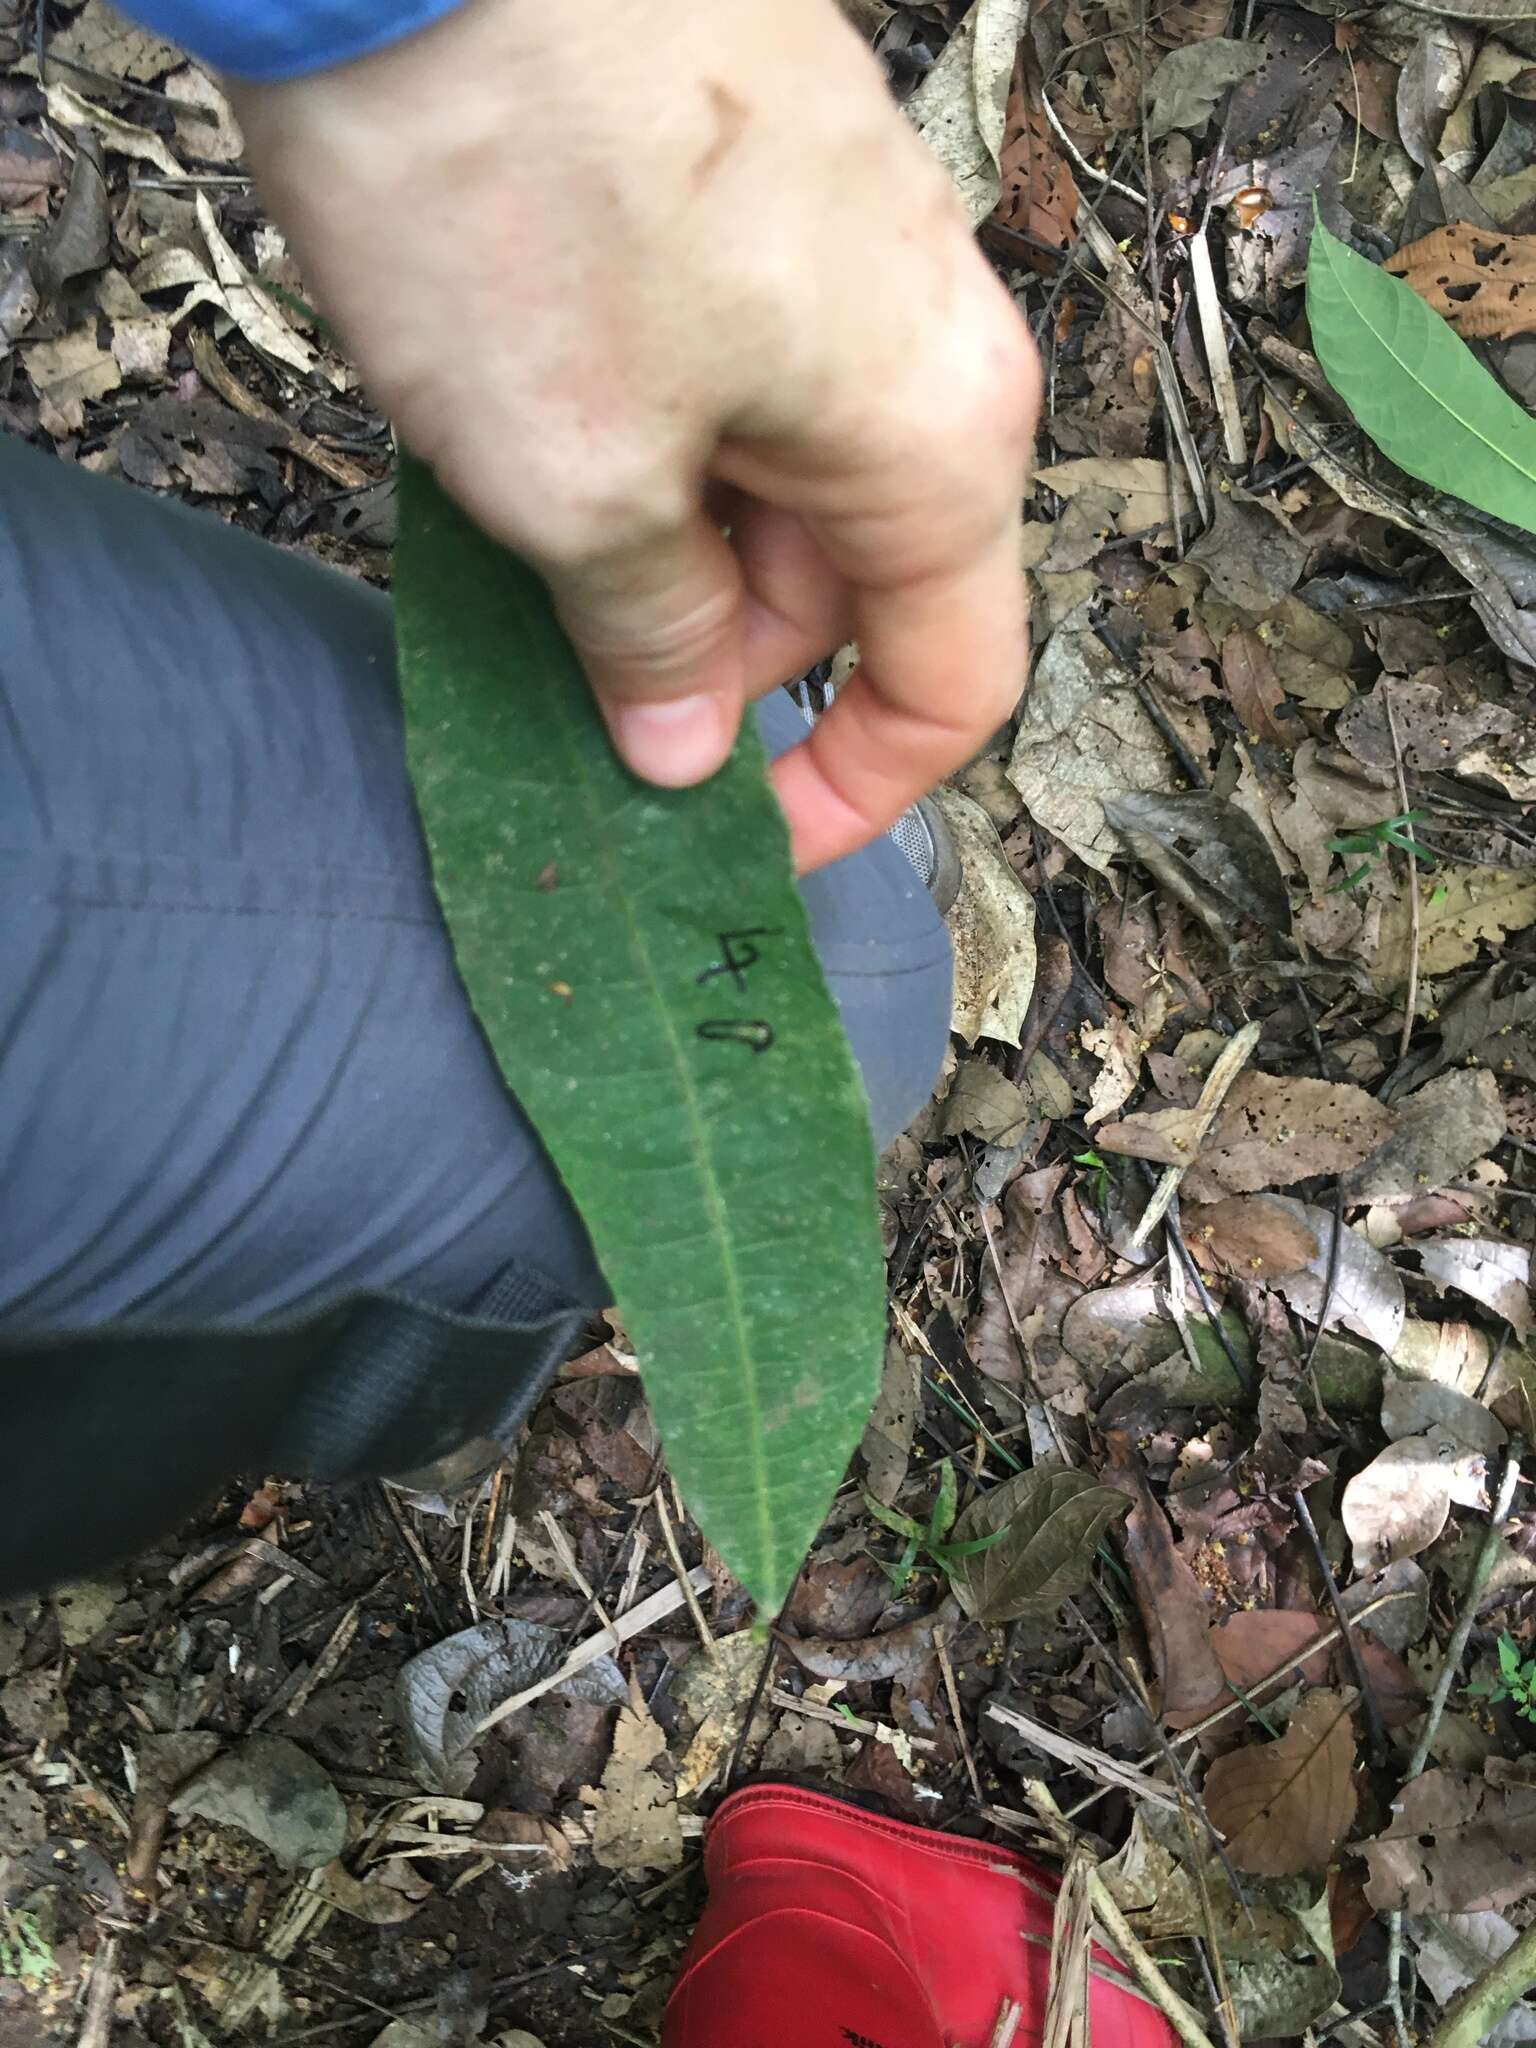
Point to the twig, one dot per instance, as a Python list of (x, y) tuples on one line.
[(1411, 1000), (1099, 177), (1471, 2018), (1234, 1056), (669, 1538), (96, 2028), (854, 1724), (1007, 2025), (1151, 1979), (1351, 1643), (216, 373), (1455, 1649), (646, 1615), (953, 1691), (1218, 358), (1065, 1749)]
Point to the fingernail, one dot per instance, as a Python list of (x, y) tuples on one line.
[(675, 742)]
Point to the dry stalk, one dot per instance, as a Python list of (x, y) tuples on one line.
[(1234, 1056)]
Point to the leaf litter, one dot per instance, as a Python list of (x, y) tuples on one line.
[(1240, 663)]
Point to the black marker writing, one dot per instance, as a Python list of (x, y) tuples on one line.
[(735, 962), (749, 1031)]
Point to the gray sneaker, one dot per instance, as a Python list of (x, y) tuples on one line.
[(922, 833)]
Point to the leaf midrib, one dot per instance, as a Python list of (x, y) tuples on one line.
[(1340, 274), (697, 1132)]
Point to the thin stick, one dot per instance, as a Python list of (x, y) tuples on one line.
[(948, 1669), (96, 2029), (216, 373), (651, 1610), (1455, 1649), (1471, 2018), (1235, 1055), (669, 1538), (1099, 177), (1151, 1979), (1357, 1662), (1218, 357), (1007, 2025), (1411, 1001)]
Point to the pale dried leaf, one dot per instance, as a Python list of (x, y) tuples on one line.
[(1286, 1806), (1083, 735), (1399, 1504), (271, 1789), (959, 108), (1184, 89), (1410, 1406), (68, 107), (984, 1102), (992, 925), (1367, 1293), (250, 307), (1118, 1046), (635, 1825), (1139, 480), (66, 373), (887, 1441), (1492, 1272), (102, 40), (1459, 910), (1272, 1130), (207, 129)]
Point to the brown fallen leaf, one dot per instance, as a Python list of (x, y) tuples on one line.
[(1285, 1806), (1032, 1242), (635, 1823), (1248, 1237), (1459, 910), (1442, 1128), (897, 1653), (1400, 1503), (1039, 196), (1484, 284), (1456, 1844), (1253, 1645), (1366, 1292), (1272, 1129), (1258, 696), (1173, 1608)]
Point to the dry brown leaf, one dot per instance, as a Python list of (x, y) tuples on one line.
[(1285, 1806), (960, 107), (252, 310), (101, 40), (1173, 1608), (1031, 1243), (1258, 697), (72, 111), (1483, 284), (1409, 1407), (1248, 1237), (1039, 196), (1138, 480), (1252, 1646), (1442, 1128), (635, 1824), (1272, 1129), (1456, 1845), (887, 1441), (985, 1103)]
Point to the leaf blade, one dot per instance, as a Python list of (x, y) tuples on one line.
[(1415, 387), (707, 1117)]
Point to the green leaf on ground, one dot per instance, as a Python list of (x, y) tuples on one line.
[(1050, 1520), (641, 964), (1415, 386)]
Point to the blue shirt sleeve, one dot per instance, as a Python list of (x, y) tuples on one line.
[(266, 39)]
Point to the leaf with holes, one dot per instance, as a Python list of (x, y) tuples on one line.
[(641, 963), (1416, 388)]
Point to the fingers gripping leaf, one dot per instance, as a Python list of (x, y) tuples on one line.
[(640, 961)]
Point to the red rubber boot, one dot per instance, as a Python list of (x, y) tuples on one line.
[(829, 1928)]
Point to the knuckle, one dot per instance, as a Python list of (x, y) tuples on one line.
[(616, 508)]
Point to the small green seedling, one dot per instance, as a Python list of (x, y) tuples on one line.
[(1100, 1172), (928, 1541), (1516, 1681), (1373, 841)]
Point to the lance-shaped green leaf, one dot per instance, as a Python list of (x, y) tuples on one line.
[(1415, 386), (640, 961)]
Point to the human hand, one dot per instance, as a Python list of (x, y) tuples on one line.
[(626, 272)]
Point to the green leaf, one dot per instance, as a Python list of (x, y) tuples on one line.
[(641, 964), (1415, 386), (1052, 1519)]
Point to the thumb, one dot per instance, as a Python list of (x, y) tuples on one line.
[(660, 629)]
